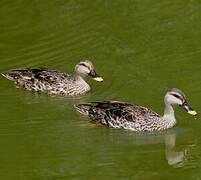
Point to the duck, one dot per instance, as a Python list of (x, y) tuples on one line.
[(53, 81), (117, 114)]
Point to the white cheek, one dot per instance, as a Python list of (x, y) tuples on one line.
[(83, 70), (86, 70), (176, 100), (173, 100)]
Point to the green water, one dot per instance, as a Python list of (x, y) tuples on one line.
[(141, 48)]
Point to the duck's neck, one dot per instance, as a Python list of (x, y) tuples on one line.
[(78, 77), (81, 82), (169, 116)]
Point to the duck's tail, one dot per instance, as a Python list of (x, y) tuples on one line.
[(18, 74), (83, 108), (11, 75)]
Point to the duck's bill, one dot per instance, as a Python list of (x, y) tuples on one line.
[(194, 113), (95, 76), (99, 79), (187, 108)]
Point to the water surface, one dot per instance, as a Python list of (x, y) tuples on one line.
[(141, 48)]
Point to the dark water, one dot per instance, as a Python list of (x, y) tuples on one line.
[(141, 48)]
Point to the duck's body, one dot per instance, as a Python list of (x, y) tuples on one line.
[(50, 81), (117, 114)]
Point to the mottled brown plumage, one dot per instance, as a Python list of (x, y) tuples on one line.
[(117, 114), (53, 81)]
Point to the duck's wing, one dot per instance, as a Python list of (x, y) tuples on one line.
[(51, 76), (41, 74), (116, 110)]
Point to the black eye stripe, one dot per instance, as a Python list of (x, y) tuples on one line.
[(82, 64), (177, 96)]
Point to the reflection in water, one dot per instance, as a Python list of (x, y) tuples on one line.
[(141, 48), (174, 157)]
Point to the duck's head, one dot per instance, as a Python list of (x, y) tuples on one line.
[(176, 97), (85, 67)]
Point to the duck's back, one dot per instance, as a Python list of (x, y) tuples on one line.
[(121, 115), (44, 80)]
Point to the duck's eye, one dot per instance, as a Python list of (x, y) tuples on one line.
[(82, 64), (177, 96)]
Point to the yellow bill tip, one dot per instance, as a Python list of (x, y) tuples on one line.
[(99, 79), (192, 113)]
